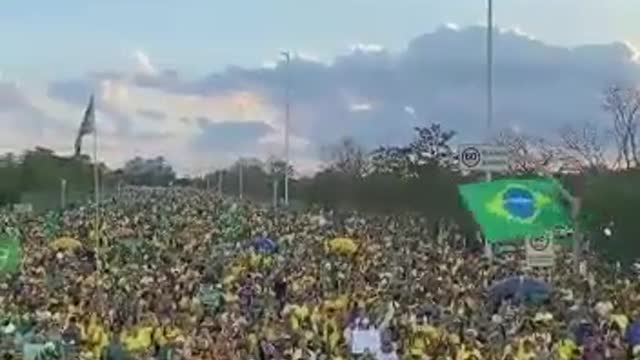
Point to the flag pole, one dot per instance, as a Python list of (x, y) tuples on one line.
[(96, 193)]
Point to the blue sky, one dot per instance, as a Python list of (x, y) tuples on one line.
[(169, 58)]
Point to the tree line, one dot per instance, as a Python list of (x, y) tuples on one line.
[(599, 163)]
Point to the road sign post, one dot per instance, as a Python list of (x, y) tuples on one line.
[(483, 158), (540, 251)]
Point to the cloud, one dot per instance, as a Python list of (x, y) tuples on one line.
[(360, 107), (368, 92), (367, 48), (24, 121), (410, 110), (144, 63), (152, 114), (442, 75), (229, 136)]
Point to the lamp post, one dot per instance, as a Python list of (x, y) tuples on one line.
[(287, 57), (488, 247), (63, 193), (489, 66)]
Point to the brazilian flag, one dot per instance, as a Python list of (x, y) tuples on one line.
[(10, 253), (513, 209)]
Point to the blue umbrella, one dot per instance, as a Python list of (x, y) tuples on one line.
[(265, 246), (520, 288)]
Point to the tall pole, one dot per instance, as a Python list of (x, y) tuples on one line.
[(275, 193), (96, 183), (241, 179), (489, 67), (487, 246), (96, 191), (220, 174), (287, 124), (63, 193)]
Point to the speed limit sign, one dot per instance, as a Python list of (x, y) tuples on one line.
[(470, 157), (482, 157), (541, 243)]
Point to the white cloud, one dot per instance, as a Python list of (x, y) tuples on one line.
[(635, 51), (360, 107), (519, 32), (144, 65), (367, 48), (452, 26), (308, 57), (410, 110)]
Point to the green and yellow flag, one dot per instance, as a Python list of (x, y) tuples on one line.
[(513, 209), (10, 253)]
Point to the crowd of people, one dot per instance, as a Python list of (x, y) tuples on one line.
[(185, 274)]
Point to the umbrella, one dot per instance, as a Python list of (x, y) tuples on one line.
[(266, 246), (65, 243), (520, 288), (343, 246)]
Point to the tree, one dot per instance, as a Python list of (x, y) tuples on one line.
[(276, 169), (624, 106), (528, 154), (583, 146), (430, 147), (148, 172), (348, 157), (255, 180), (391, 160), (10, 184)]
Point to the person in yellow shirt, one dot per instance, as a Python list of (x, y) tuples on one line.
[(298, 314), (97, 338), (567, 350), (137, 339), (166, 333)]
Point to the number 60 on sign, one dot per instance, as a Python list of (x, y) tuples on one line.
[(482, 157)]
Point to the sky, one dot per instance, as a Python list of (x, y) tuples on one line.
[(202, 83)]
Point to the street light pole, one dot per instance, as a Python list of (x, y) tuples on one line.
[(489, 66), (241, 178), (220, 175), (287, 122), (487, 245), (63, 193)]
